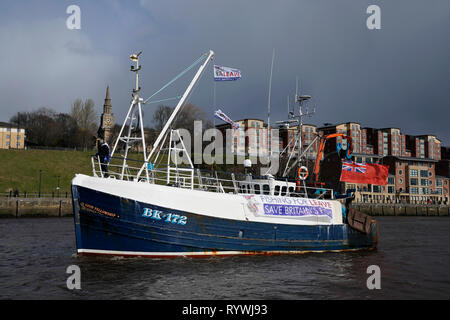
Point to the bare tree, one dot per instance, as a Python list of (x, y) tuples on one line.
[(185, 119), (161, 115), (190, 113), (84, 114), (86, 119)]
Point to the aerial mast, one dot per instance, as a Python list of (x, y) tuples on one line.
[(269, 144), (297, 120), (133, 119)]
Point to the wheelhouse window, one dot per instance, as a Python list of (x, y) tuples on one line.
[(277, 190)]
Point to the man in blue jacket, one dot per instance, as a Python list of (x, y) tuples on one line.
[(104, 155)]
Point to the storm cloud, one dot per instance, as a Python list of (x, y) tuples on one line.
[(393, 77)]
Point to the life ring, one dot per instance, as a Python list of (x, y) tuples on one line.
[(302, 173)]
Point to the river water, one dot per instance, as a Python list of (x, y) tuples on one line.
[(413, 256)]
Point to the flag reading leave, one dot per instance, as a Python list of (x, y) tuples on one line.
[(364, 173), (226, 74)]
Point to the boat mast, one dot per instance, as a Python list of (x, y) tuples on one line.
[(299, 121), (269, 144), (130, 119)]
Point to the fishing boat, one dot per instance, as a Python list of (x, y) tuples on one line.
[(140, 209)]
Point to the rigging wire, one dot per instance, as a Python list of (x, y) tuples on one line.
[(178, 97), (162, 100), (177, 77)]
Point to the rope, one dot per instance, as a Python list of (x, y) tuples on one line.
[(178, 76), (162, 100)]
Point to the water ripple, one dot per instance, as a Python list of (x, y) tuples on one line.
[(413, 256)]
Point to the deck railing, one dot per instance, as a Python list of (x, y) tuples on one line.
[(205, 180)]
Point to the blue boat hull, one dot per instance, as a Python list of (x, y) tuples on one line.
[(108, 224)]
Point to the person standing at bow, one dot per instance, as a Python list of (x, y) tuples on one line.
[(104, 155)]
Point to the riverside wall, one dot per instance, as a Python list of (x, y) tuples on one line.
[(62, 207), (400, 209), (35, 207)]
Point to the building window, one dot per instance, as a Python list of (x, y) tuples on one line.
[(414, 190), (439, 183), (424, 190), (424, 173), (400, 172), (413, 173), (413, 181), (390, 189), (423, 182), (391, 180)]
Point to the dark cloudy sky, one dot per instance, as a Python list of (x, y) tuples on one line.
[(398, 76)]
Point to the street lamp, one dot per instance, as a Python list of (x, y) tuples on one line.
[(40, 179), (57, 188)]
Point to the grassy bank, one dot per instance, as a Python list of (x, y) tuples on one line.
[(19, 169)]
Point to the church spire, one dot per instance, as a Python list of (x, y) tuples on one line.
[(107, 119), (107, 106)]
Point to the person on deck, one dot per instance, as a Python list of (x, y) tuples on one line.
[(105, 156)]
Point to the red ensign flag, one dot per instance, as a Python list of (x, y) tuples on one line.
[(364, 173)]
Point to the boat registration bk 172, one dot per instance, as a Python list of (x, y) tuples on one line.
[(166, 217)]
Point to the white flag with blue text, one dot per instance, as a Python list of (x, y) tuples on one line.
[(226, 74)]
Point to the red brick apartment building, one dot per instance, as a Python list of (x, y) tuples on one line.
[(249, 140), (419, 167), (417, 171)]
